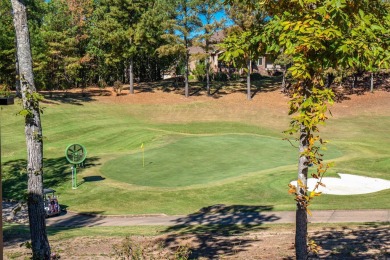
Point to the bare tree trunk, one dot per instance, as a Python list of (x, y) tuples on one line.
[(372, 83), (1, 199), (208, 76), (354, 83), (329, 80), (284, 80), (186, 75), (131, 75), (301, 214), (33, 132), (248, 81)]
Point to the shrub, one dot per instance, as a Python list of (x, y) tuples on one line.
[(5, 91), (234, 76), (220, 76), (102, 83), (200, 71), (256, 76), (118, 87), (130, 249)]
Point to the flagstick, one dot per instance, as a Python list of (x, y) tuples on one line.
[(143, 157)]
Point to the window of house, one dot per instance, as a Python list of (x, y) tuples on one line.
[(260, 62)]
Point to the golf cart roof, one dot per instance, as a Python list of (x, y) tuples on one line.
[(46, 191)]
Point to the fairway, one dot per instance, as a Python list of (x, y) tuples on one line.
[(201, 160)]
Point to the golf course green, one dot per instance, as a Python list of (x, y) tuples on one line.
[(201, 159)]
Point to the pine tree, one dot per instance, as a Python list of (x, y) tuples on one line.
[(208, 9), (180, 31), (114, 40), (7, 45)]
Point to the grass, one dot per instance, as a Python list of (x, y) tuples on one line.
[(198, 153), (17, 231)]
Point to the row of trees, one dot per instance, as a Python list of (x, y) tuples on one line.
[(76, 43)]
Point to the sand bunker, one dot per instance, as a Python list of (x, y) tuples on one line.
[(349, 184)]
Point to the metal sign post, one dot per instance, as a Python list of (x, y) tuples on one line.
[(75, 154)]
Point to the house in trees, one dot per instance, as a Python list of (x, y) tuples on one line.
[(264, 65)]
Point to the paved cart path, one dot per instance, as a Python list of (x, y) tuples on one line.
[(70, 219)]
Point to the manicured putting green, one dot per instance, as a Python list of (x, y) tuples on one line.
[(202, 160)]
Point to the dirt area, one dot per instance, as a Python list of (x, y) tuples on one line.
[(342, 242), (268, 97), (268, 108)]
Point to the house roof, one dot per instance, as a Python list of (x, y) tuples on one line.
[(196, 50), (217, 37)]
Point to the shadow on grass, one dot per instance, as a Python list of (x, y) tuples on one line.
[(218, 89), (72, 98), (216, 229), (369, 241), (72, 220), (90, 179), (56, 171), (17, 233)]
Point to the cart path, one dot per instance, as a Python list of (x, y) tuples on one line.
[(71, 219)]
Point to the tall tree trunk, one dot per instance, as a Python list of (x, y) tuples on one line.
[(372, 82), (33, 132), (131, 75), (1, 199), (248, 81), (17, 80), (208, 76), (354, 84), (284, 80), (186, 75), (301, 214), (329, 80)]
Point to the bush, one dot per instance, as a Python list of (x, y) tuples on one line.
[(130, 249), (5, 91), (256, 76), (200, 71), (118, 87), (234, 76), (220, 76), (102, 83)]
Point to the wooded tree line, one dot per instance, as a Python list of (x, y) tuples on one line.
[(77, 43)]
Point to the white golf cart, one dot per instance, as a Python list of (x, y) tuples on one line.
[(52, 207)]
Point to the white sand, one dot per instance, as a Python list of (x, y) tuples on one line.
[(348, 184)]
